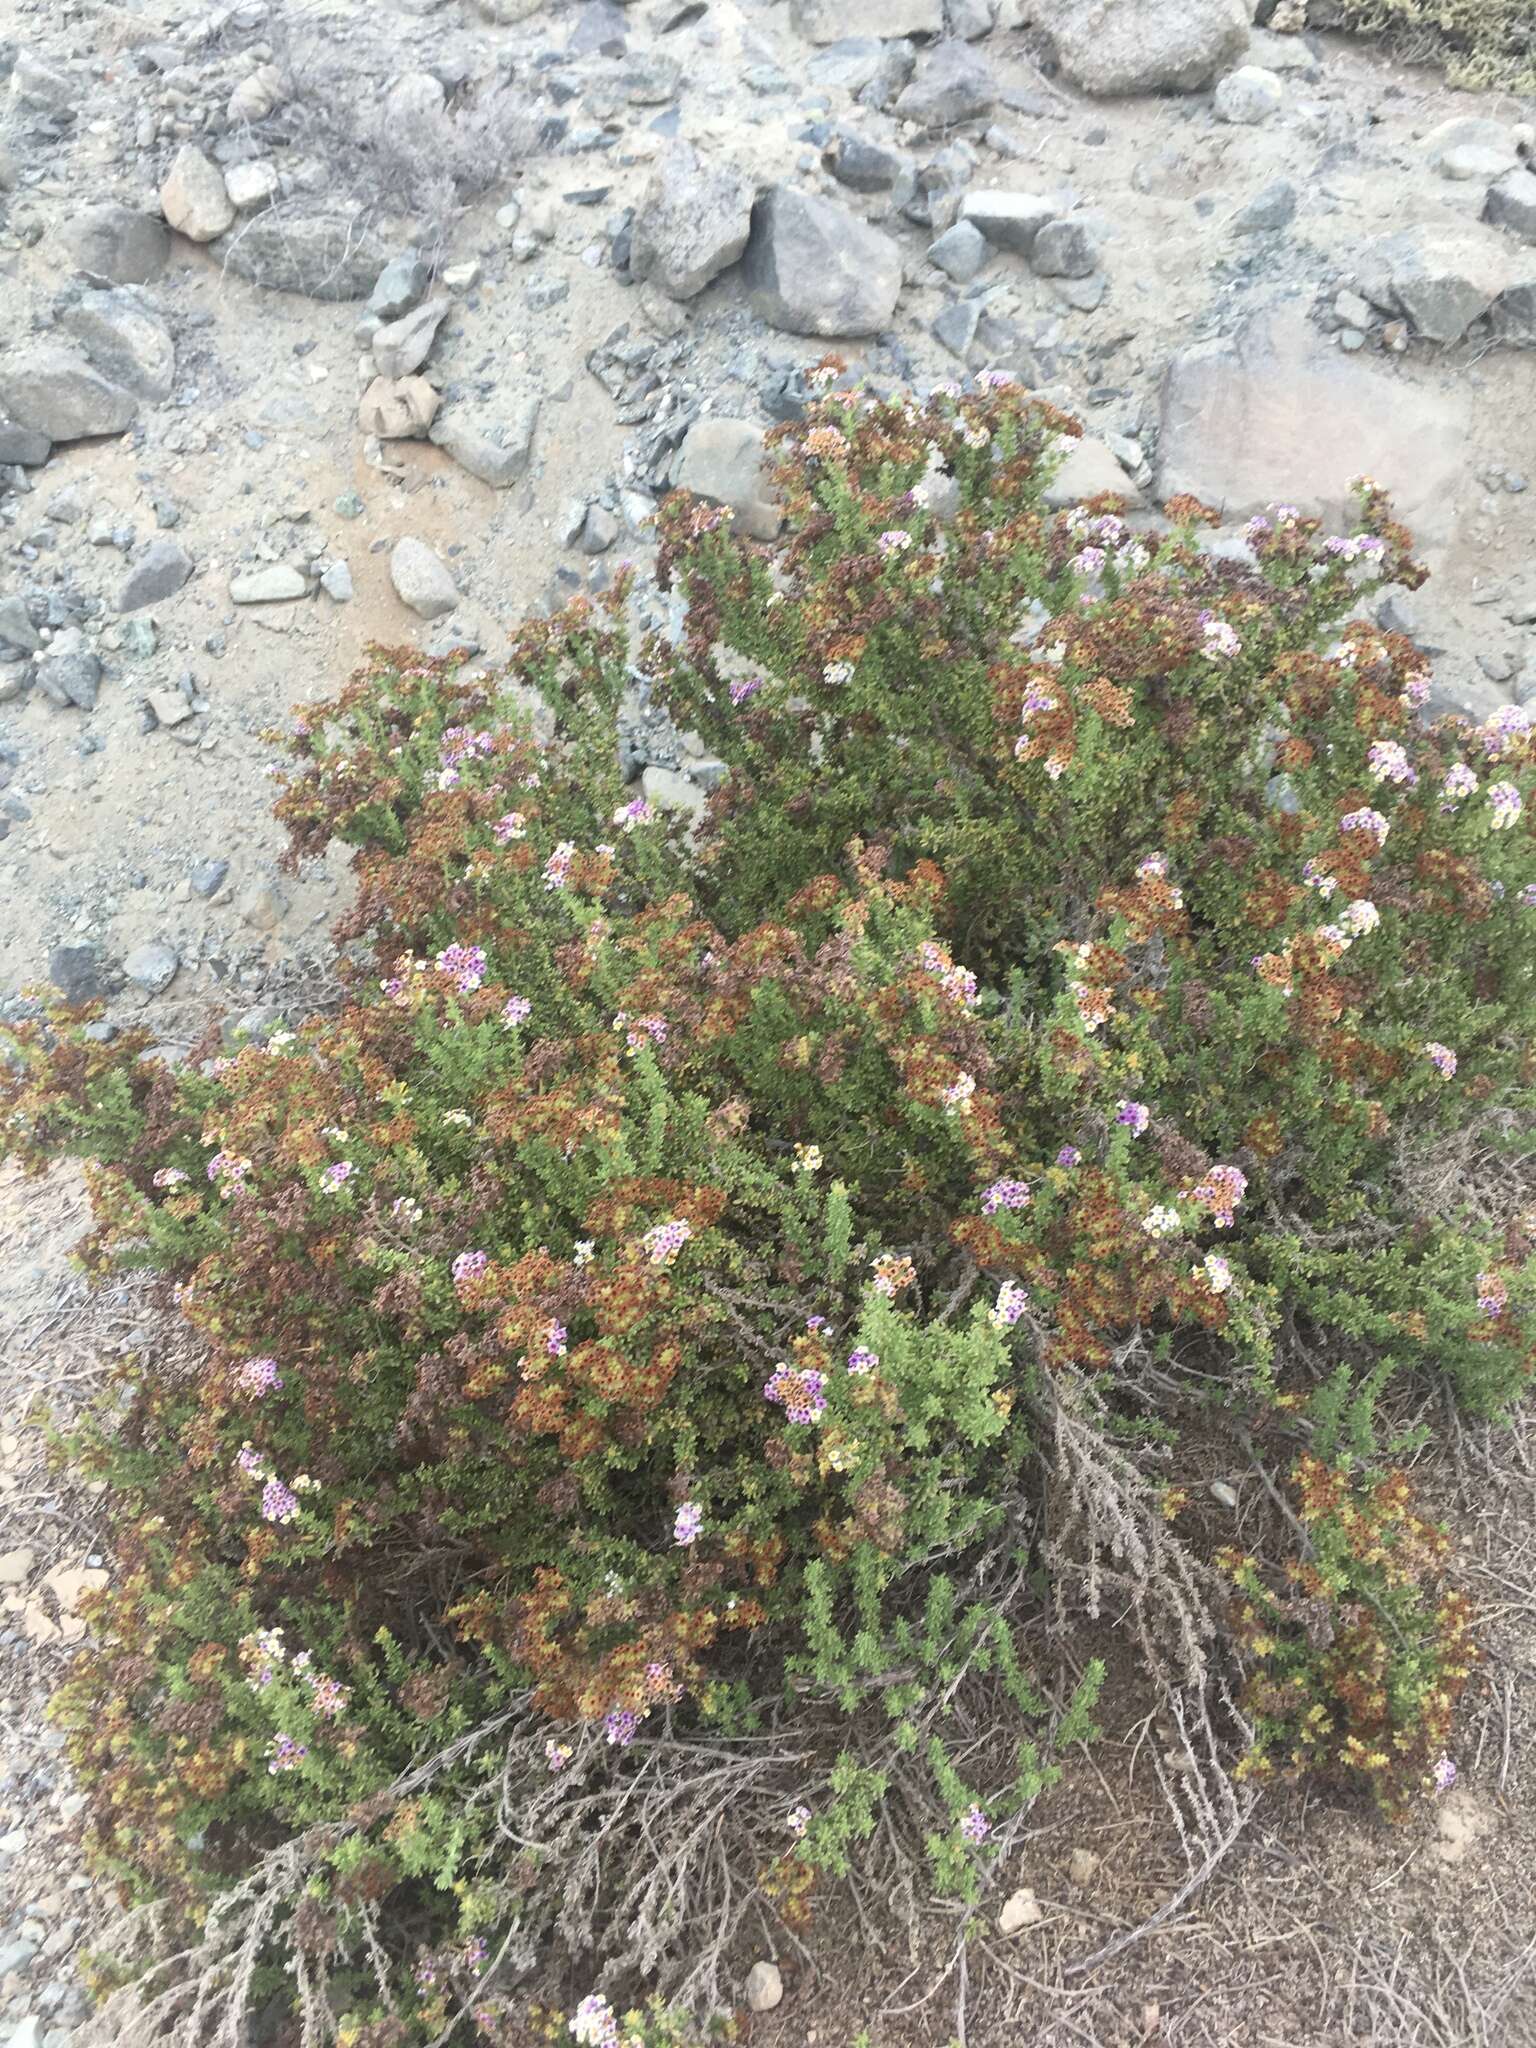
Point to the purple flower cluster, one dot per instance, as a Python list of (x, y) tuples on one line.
[(279, 1503), (1005, 1194), (663, 1241), (800, 1392), (258, 1376), (336, 1176), (514, 1011), (1366, 820), (974, 1825), (1012, 1300), (1387, 761), (284, 1754), (688, 1524), (1134, 1115), (465, 964), (861, 1360)]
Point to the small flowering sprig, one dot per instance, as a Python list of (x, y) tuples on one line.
[(800, 1391)]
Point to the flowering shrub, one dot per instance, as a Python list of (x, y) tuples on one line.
[(638, 1307)]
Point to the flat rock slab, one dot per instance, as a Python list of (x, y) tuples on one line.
[(1275, 415), (329, 256)]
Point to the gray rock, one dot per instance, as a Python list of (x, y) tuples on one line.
[(275, 584), (831, 21), (498, 456), (36, 84), (50, 389), (1247, 96), (764, 1987), (970, 19), (75, 972), (1514, 316), (1009, 220), (402, 283), (404, 345), (193, 198), (693, 221), (860, 164), (851, 65), (69, 673), (1063, 248), (1083, 294), (599, 530), (152, 967), (1512, 204), (1275, 413), (956, 326), (723, 460), (897, 63), (263, 906), (110, 244), (126, 339), (252, 185), (1274, 207), (1088, 469), (952, 85), (961, 252), (329, 254), (670, 791), (1471, 146), (812, 267), (170, 707), (336, 582), (22, 445), (1116, 47), (1442, 279), (158, 574), (16, 627), (421, 580), (208, 878)]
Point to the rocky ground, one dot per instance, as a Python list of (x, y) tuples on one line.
[(392, 320)]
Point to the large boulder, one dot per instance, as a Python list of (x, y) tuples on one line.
[(723, 460), (50, 389), (1117, 47), (812, 267), (692, 222), (193, 196), (126, 339), (832, 21), (330, 254), (111, 244), (1275, 413), (1441, 279)]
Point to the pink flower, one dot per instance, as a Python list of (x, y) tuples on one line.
[(279, 1503), (861, 1360), (801, 1393), (974, 1825), (515, 1011), (688, 1523), (1005, 1194), (1012, 1300), (1441, 1056), (258, 1376)]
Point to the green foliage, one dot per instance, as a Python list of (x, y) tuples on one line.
[(1482, 43), (637, 1305)]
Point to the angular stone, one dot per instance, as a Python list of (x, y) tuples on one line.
[(862, 165), (764, 1987), (126, 339), (252, 185), (1112, 48), (671, 791), (1063, 248), (402, 283), (55, 392), (1441, 278), (110, 244), (421, 580), (193, 198), (723, 460), (1512, 204), (277, 583), (1276, 413), (1247, 96), (257, 96), (16, 627), (970, 19), (952, 85), (329, 255), (69, 673), (158, 574), (956, 326), (851, 65), (398, 408), (405, 344), (1009, 220), (1514, 315), (692, 222), (1090, 469), (506, 13), (498, 456), (961, 252), (1274, 207), (36, 84), (1471, 146), (75, 972), (170, 708), (1020, 1910), (812, 267), (831, 21), (23, 445)]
